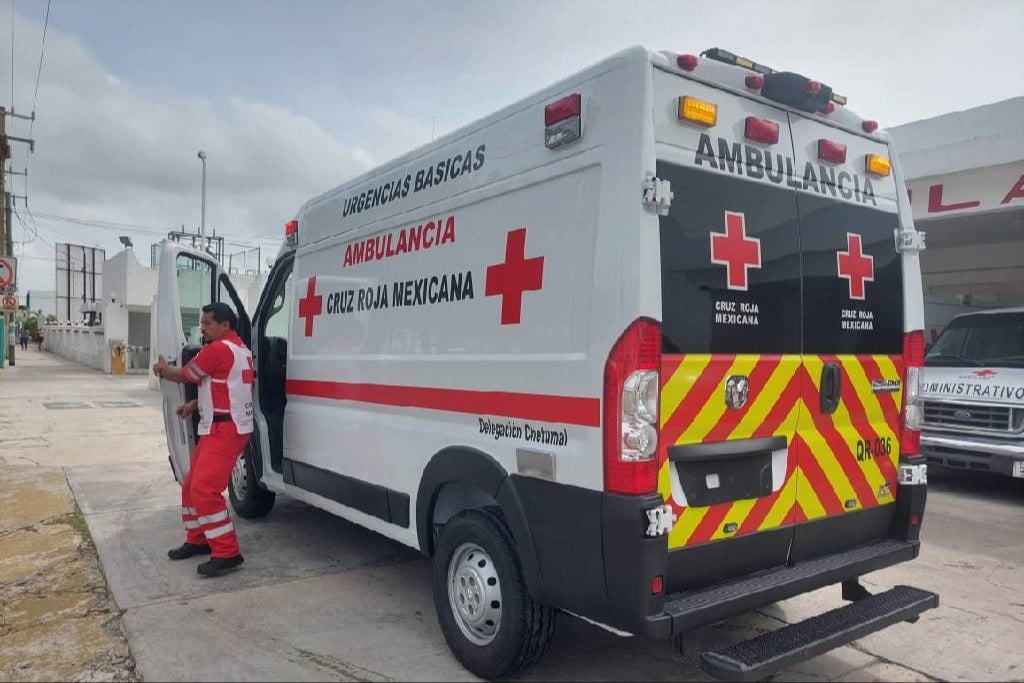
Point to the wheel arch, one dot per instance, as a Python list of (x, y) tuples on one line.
[(462, 478)]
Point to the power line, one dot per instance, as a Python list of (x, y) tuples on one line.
[(39, 72), (24, 227), (114, 225)]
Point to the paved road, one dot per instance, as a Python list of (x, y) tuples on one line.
[(321, 599)]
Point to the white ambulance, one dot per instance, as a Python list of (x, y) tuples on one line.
[(642, 348), (972, 393)]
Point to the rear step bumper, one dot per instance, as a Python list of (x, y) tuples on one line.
[(688, 610), (759, 657)]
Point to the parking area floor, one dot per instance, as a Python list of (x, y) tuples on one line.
[(321, 599)]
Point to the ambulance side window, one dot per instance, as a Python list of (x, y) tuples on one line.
[(195, 290), (279, 317)]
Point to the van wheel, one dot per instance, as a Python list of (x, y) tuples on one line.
[(248, 498), (492, 625)]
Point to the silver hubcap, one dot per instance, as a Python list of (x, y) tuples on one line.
[(474, 592), (238, 476)]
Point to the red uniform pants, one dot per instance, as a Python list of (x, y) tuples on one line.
[(203, 509)]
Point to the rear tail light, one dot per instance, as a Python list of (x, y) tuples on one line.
[(913, 361), (632, 391), (687, 62), (698, 111), (761, 130), (834, 152), (877, 165), (563, 121)]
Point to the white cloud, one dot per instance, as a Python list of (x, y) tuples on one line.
[(393, 134), (108, 150)]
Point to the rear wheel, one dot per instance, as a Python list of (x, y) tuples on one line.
[(492, 625), (248, 498)]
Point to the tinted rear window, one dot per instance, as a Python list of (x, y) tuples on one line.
[(701, 313), (853, 278), (792, 272)]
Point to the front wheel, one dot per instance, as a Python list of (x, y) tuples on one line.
[(248, 498), (492, 625)]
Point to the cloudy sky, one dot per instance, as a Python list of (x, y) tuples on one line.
[(289, 99)]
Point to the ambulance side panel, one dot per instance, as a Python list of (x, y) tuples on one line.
[(490, 341)]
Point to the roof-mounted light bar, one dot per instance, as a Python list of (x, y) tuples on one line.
[(726, 57)]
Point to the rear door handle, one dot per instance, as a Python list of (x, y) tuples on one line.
[(831, 387)]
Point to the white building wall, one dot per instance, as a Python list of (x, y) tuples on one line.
[(965, 175), (79, 343), (129, 316)]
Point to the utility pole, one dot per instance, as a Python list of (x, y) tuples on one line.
[(5, 153), (6, 229)]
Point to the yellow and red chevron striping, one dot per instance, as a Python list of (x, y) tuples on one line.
[(823, 474)]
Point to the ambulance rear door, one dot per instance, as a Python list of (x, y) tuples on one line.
[(731, 336), (853, 333), (188, 280)]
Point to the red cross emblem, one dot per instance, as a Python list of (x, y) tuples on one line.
[(855, 266), (311, 306), (248, 375), (734, 250), (985, 374), (516, 275)]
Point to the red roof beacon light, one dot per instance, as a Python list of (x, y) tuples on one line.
[(563, 121), (687, 62), (761, 130), (834, 152), (754, 81)]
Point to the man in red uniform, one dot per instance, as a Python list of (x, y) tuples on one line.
[(223, 372)]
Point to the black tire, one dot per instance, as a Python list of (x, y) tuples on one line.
[(250, 500), (526, 626)]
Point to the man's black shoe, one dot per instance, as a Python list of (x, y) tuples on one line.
[(216, 566), (188, 550)]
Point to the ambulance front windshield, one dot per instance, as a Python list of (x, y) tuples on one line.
[(990, 339)]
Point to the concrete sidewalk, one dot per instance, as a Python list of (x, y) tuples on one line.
[(57, 621)]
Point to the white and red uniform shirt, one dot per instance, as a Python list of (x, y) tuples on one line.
[(223, 370)]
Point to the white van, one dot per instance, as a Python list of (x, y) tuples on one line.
[(641, 348), (973, 394)]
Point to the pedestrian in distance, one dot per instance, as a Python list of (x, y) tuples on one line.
[(24, 340), (223, 372)]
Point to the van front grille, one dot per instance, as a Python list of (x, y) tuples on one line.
[(997, 419)]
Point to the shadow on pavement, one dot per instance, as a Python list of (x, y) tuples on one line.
[(991, 486)]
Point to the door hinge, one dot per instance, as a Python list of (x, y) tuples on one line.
[(909, 240), (914, 475), (657, 195), (660, 520)]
